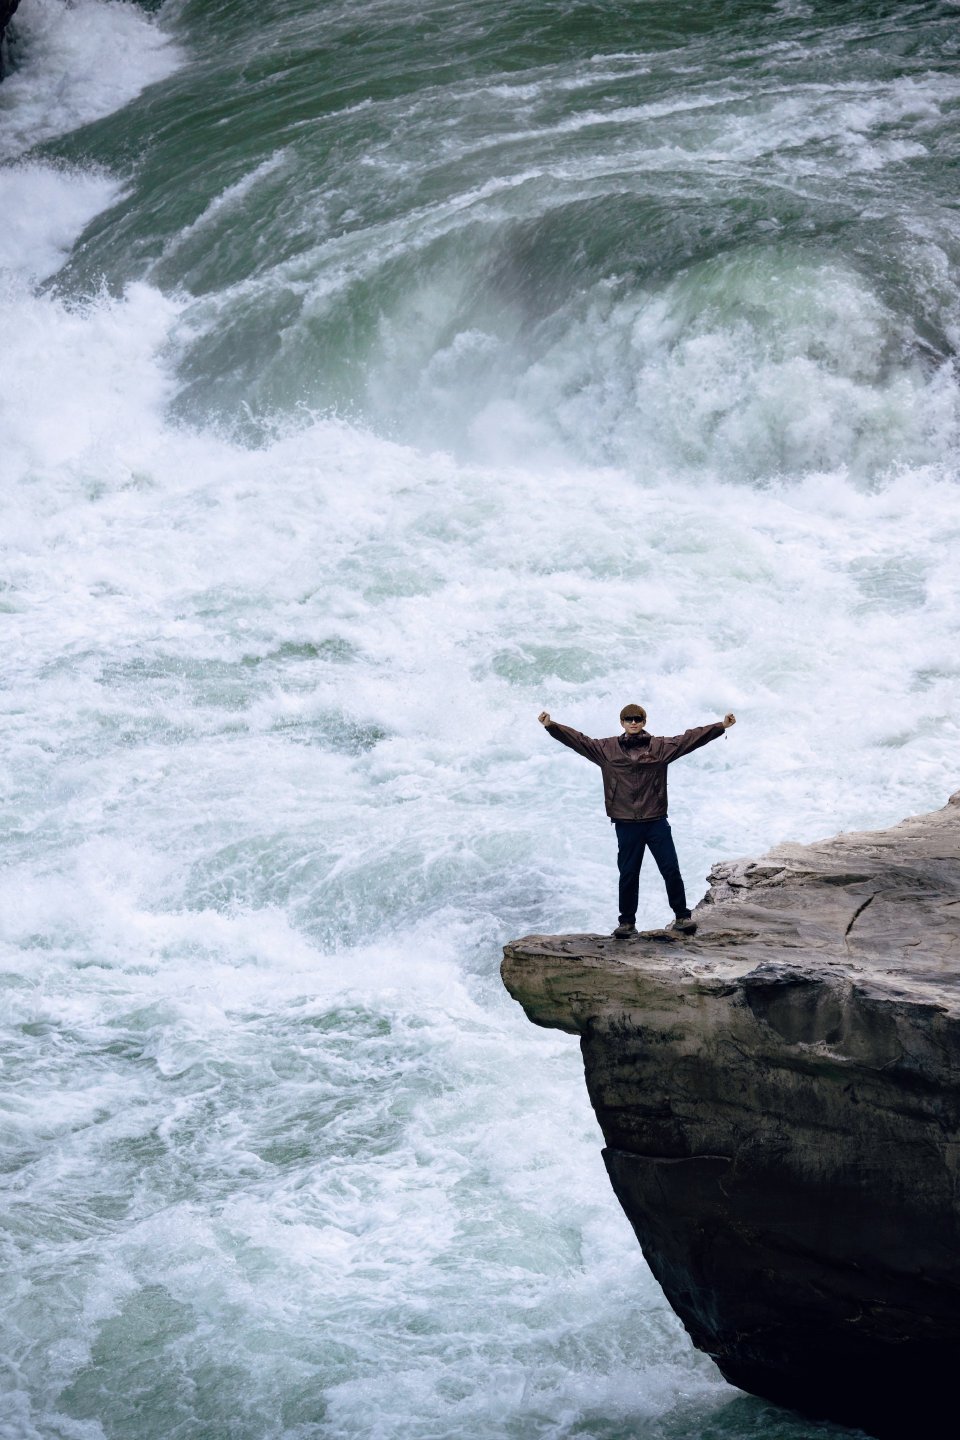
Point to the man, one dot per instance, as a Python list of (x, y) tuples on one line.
[(634, 769)]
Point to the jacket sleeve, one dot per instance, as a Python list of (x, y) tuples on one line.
[(582, 744), (677, 745)]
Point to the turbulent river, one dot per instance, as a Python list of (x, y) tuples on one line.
[(374, 375)]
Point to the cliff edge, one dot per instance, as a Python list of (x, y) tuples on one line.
[(780, 1101)]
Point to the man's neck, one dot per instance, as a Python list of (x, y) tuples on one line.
[(641, 738)]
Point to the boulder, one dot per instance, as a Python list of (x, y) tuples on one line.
[(780, 1101)]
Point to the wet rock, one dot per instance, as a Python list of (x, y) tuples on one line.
[(780, 1101), (7, 8)]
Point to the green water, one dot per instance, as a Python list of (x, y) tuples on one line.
[(377, 375), (371, 210)]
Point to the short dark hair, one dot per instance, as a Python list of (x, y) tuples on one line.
[(634, 712)]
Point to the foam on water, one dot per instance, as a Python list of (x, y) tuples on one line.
[(280, 1157), (763, 364), (77, 60), (44, 210)]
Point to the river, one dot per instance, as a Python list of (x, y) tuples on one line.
[(374, 376)]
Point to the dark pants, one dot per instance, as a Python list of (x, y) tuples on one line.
[(633, 837)]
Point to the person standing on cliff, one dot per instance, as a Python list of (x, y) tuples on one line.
[(634, 769)]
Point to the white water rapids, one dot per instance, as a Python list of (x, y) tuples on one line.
[(278, 1155)]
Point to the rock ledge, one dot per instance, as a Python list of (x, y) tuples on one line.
[(780, 1101)]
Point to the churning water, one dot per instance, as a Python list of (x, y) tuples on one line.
[(376, 374)]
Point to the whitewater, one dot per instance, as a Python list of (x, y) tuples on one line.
[(373, 377)]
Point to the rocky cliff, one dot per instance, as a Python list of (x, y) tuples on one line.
[(780, 1101)]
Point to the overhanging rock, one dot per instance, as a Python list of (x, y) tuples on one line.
[(780, 1100)]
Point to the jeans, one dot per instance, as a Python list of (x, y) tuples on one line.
[(633, 837)]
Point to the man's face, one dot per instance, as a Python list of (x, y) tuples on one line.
[(632, 725)]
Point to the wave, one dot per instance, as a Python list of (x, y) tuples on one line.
[(343, 432)]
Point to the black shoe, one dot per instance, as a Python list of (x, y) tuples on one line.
[(684, 925), (623, 932)]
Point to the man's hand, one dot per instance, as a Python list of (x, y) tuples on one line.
[(544, 717), (728, 720)]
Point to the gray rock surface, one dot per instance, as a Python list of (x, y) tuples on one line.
[(780, 1101)]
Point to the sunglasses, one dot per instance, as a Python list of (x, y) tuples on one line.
[(632, 720)]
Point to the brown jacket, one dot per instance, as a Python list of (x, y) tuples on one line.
[(635, 775)]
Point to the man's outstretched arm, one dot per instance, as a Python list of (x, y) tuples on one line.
[(699, 735), (582, 744)]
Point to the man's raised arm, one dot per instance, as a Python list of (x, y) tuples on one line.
[(700, 735), (582, 744)]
